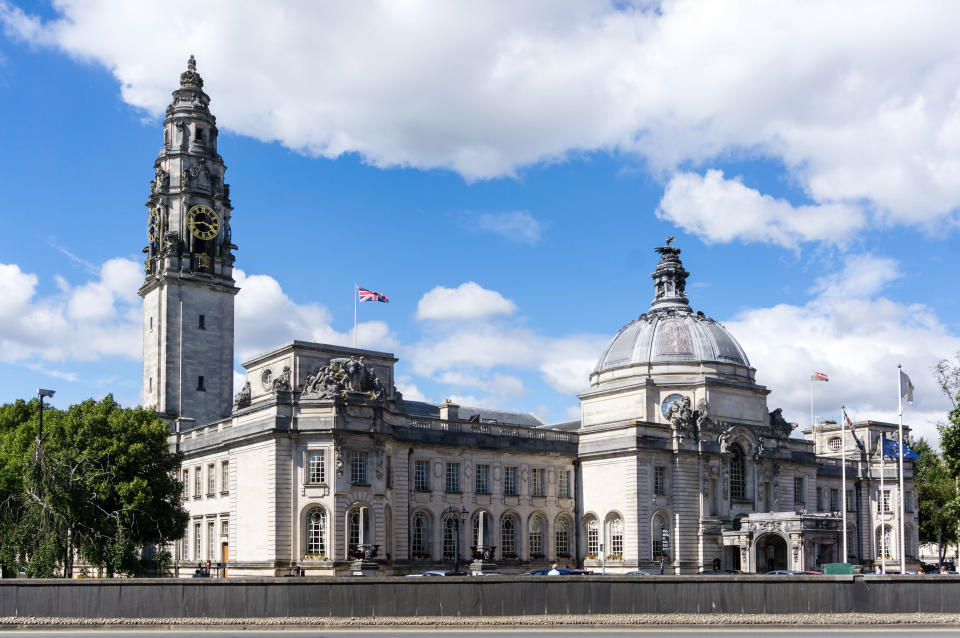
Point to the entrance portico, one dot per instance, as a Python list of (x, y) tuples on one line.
[(782, 541)]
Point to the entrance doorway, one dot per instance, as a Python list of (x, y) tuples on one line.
[(771, 553), (224, 557)]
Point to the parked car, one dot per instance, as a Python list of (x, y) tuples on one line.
[(438, 572), (638, 572), (563, 572)]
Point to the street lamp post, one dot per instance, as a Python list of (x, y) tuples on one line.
[(457, 516), (42, 392)]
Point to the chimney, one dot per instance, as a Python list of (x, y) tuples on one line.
[(449, 411)]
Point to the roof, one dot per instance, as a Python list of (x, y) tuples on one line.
[(465, 413)]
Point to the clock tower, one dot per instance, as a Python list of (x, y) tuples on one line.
[(189, 288)]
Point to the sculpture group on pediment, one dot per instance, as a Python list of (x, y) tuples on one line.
[(242, 399), (283, 381), (685, 420), (780, 425), (344, 376)]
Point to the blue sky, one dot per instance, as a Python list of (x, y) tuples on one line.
[(538, 151)]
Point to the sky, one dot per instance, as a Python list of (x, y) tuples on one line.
[(502, 172)]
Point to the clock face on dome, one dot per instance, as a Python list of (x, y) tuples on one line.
[(203, 222), (670, 400)]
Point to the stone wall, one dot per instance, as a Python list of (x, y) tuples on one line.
[(488, 596)]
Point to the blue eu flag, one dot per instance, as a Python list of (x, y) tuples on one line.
[(890, 449)]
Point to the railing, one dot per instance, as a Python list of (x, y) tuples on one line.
[(491, 429)]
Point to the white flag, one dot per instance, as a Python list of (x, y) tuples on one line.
[(906, 387)]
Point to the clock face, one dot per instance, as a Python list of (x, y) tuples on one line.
[(153, 226), (670, 400), (203, 222)]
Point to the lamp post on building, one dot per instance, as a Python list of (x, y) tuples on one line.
[(457, 516)]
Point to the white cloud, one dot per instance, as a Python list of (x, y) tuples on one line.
[(500, 385), (857, 338), (100, 318), (408, 388), (469, 300), (517, 226), (267, 317), (859, 100), (722, 210)]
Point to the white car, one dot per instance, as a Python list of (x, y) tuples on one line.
[(434, 572)]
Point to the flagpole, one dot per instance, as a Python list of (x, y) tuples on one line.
[(903, 558), (843, 473), (883, 520), (812, 424), (356, 287)]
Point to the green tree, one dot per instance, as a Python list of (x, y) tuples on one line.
[(948, 378), (936, 499), (103, 483)]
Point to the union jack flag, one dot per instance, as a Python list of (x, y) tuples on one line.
[(853, 430), (369, 295)]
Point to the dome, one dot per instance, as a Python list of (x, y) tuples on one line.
[(670, 331), (660, 337)]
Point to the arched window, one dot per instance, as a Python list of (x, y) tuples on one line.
[(358, 529), (508, 537), (615, 536), (657, 529), (536, 538), (738, 481), (563, 537), (449, 538), (420, 537), (884, 544), (317, 532), (593, 537)]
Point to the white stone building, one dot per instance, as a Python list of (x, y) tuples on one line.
[(319, 460)]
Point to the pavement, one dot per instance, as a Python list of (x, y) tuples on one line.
[(647, 632)]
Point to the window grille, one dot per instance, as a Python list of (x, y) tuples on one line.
[(510, 481), (537, 488), (421, 476), (660, 480), (738, 482), (196, 541), (316, 468), (186, 482), (563, 537), (616, 536), (449, 538), (536, 538), (453, 477), (593, 537), (420, 536), (508, 537), (211, 479), (317, 531), (834, 499), (884, 544), (197, 482), (835, 444), (358, 469), (225, 477), (483, 479), (563, 488), (657, 533), (883, 501), (211, 542), (798, 491)]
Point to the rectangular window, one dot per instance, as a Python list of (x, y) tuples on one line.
[(819, 499), (197, 482), (421, 476), (151, 385), (389, 472), (908, 503), (798, 495), (202, 322), (316, 468), (510, 480), (358, 469), (851, 501), (537, 487), (211, 542), (660, 481), (453, 477), (200, 387), (883, 501), (196, 541), (483, 479), (224, 528), (593, 538), (225, 477), (834, 499), (186, 482), (211, 479), (151, 324), (563, 484)]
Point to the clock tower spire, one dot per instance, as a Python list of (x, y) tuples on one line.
[(189, 288)]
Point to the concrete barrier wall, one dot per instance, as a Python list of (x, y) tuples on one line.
[(487, 596)]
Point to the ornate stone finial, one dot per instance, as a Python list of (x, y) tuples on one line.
[(190, 77), (670, 280)]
